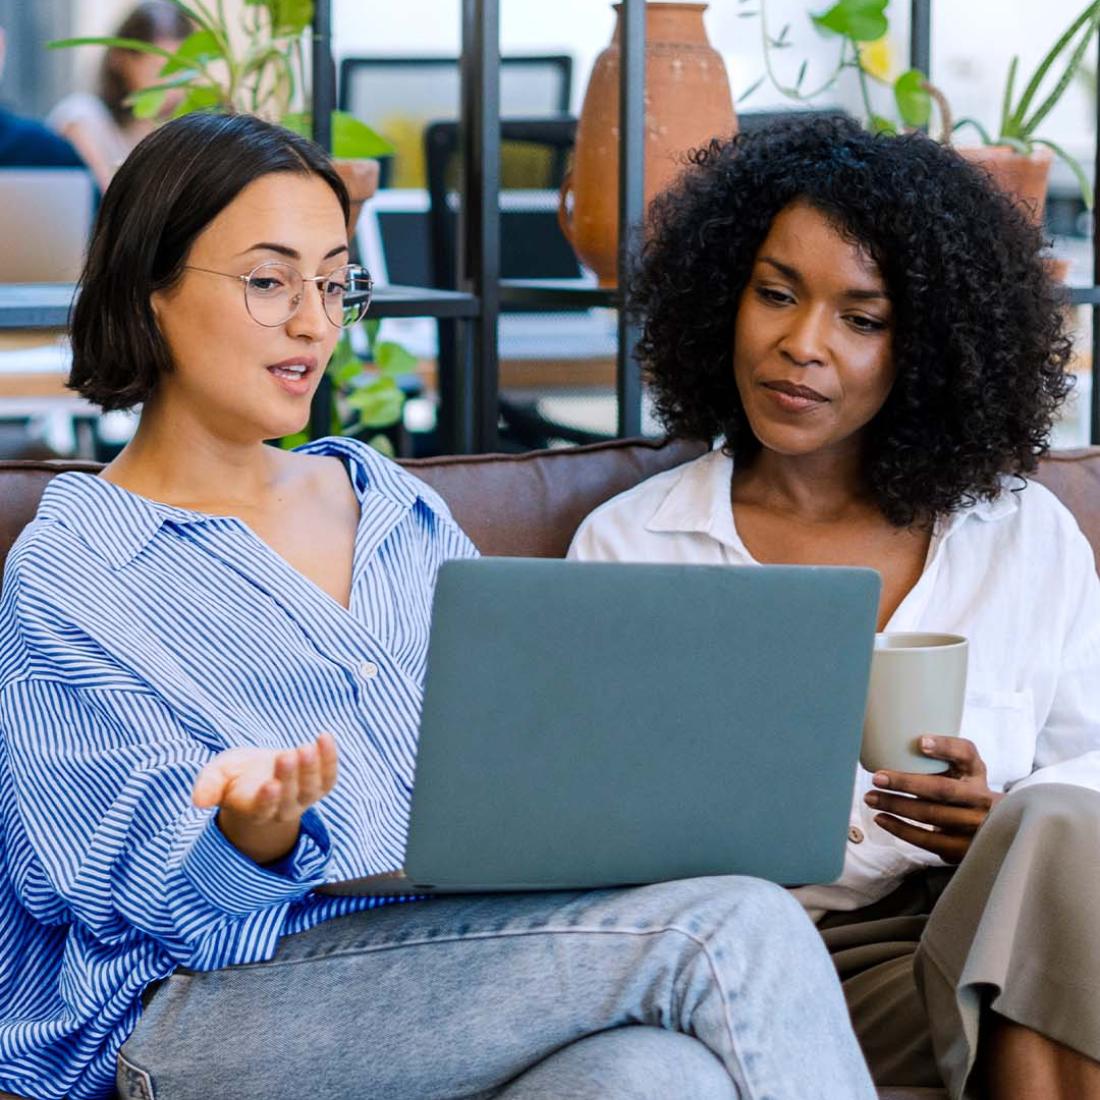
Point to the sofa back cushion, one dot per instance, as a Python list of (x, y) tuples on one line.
[(530, 505)]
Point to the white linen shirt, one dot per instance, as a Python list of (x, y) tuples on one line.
[(1015, 576)]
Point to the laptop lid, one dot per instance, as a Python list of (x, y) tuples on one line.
[(596, 724), (45, 220)]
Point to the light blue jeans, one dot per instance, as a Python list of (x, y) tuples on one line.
[(708, 989)]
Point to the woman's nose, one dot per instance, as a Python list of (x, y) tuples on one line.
[(805, 339)]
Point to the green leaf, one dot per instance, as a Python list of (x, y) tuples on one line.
[(202, 46), (288, 17), (1074, 167), (148, 103), (111, 42), (881, 125), (379, 403), (752, 88), (345, 373), (982, 131), (859, 20), (343, 355), (1006, 103), (382, 444), (1089, 15), (1032, 124), (202, 97), (914, 102), (289, 442), (351, 137), (391, 358)]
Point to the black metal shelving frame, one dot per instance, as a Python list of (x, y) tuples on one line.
[(468, 402), (469, 398)]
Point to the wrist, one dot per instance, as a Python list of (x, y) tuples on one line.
[(261, 843)]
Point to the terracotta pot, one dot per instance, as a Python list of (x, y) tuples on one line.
[(1024, 178), (361, 179), (687, 103)]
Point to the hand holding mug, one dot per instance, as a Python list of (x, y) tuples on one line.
[(954, 803)]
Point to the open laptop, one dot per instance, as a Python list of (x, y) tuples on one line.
[(602, 724), (45, 220)]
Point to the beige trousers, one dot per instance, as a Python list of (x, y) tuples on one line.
[(1015, 929)]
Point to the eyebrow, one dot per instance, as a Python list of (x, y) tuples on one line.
[(860, 294), (290, 253)]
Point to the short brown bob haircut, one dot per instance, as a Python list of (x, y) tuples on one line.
[(169, 189)]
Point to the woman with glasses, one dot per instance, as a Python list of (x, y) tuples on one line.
[(869, 332), (211, 662)]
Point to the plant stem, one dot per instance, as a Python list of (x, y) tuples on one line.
[(792, 92), (864, 91)]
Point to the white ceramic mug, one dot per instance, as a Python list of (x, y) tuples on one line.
[(917, 686)]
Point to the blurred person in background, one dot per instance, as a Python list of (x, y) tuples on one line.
[(25, 143), (102, 125)]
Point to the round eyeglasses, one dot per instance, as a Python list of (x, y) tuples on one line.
[(274, 292)]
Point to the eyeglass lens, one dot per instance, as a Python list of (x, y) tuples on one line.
[(273, 294)]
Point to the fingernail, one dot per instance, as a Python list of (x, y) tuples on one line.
[(927, 744), (871, 798), (880, 779)]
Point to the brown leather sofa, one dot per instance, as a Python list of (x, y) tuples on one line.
[(530, 505)]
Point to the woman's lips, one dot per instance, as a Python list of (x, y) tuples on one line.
[(793, 398), (291, 377)]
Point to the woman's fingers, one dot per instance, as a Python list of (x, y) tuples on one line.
[(328, 756), (941, 815), (209, 785), (950, 847), (961, 753), (265, 784)]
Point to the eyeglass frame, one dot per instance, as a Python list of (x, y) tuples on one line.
[(315, 279)]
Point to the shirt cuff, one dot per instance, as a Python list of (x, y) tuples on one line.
[(228, 880)]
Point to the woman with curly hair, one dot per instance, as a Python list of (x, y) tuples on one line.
[(869, 331)]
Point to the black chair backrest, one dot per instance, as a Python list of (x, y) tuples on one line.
[(398, 96), (532, 245)]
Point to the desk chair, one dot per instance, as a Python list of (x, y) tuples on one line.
[(532, 246), (398, 96)]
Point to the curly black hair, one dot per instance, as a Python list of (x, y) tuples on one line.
[(980, 341)]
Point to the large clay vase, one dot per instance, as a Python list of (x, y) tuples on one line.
[(687, 102), (1024, 178), (360, 177)]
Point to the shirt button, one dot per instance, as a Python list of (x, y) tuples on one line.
[(855, 834), (368, 670)]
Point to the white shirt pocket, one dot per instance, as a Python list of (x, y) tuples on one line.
[(1002, 725)]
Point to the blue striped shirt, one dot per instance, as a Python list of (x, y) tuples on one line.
[(138, 640)]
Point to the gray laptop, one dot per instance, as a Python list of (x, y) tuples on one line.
[(591, 724), (45, 220)]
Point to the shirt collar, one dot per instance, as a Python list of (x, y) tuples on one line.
[(119, 524), (699, 502)]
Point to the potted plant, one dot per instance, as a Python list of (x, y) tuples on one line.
[(258, 66), (861, 26), (1016, 158)]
